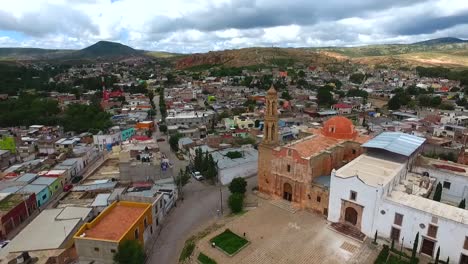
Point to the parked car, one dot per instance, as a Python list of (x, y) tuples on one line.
[(4, 243), (67, 187), (160, 140), (197, 175), (77, 179)]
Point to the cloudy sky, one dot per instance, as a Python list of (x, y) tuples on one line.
[(204, 25)]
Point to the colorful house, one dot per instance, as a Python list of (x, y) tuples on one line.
[(15, 208), (145, 125), (42, 193), (52, 183), (128, 133), (8, 143), (99, 240)]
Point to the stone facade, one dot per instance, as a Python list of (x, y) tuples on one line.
[(290, 171)]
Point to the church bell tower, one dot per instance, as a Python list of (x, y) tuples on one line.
[(270, 126)]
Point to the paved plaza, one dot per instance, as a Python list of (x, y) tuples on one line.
[(278, 236)]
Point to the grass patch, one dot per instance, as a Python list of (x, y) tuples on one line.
[(393, 259), (229, 242), (187, 250), (204, 259)]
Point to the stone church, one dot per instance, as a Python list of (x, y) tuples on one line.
[(299, 171)]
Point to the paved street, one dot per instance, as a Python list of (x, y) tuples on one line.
[(200, 206)]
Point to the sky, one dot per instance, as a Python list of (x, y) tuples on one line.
[(188, 26)]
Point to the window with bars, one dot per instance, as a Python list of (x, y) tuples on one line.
[(432, 231), (398, 219)]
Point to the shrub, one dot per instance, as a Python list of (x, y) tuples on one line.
[(234, 154), (187, 250), (204, 259), (383, 255), (238, 185), (130, 252), (236, 202)]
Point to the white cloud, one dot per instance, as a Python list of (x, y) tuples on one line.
[(203, 25)]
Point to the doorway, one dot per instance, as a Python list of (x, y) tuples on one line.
[(351, 216), (427, 247), (287, 192), (463, 259)]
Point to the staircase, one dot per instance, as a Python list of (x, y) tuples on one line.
[(283, 204), (349, 231)]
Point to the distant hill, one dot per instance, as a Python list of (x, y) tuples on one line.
[(31, 53), (102, 50), (438, 41), (106, 49), (280, 57)]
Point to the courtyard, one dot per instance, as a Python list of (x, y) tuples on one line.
[(279, 236)]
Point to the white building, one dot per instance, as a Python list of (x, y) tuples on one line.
[(103, 141), (386, 190), (189, 119), (229, 168)]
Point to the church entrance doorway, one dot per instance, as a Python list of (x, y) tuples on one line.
[(287, 192), (351, 216), (428, 247)]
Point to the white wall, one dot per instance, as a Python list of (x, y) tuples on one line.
[(245, 170), (458, 187), (102, 140), (367, 196), (450, 234)]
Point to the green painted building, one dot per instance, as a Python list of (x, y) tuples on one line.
[(8, 143)]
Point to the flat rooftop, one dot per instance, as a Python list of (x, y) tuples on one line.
[(9, 202), (372, 171), (50, 229), (435, 208), (115, 222)]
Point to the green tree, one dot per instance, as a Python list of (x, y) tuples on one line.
[(182, 178), (130, 252), (438, 193), (436, 101), (301, 74), (238, 185), (424, 100), (285, 95), (236, 202), (324, 96), (151, 113), (163, 128), (174, 142), (357, 78), (394, 103), (210, 168), (462, 204), (415, 249)]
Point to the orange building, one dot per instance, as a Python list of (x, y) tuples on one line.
[(299, 172), (145, 125), (100, 239)]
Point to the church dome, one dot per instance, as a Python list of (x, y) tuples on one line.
[(339, 127)]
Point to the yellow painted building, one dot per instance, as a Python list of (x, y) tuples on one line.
[(99, 239)]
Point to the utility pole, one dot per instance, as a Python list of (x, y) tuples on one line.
[(221, 198)]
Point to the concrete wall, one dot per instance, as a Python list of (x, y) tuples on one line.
[(141, 172), (96, 250)]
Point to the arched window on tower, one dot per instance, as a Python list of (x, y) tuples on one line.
[(272, 131)]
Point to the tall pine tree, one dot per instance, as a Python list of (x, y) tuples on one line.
[(438, 193)]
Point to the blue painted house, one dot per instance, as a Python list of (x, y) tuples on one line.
[(42, 192)]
